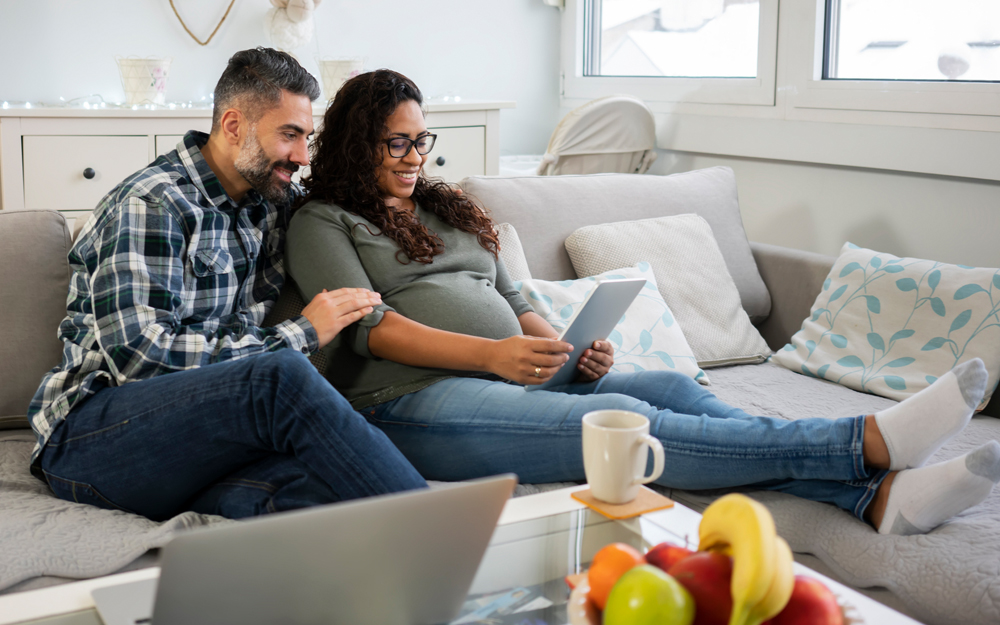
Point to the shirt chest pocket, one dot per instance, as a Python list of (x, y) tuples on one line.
[(211, 262)]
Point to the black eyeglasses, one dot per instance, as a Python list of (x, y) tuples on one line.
[(401, 146)]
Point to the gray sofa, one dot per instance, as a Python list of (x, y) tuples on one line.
[(949, 576)]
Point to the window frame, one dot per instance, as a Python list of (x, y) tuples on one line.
[(758, 91), (835, 122), (812, 91)]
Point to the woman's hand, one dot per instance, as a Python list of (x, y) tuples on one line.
[(596, 362), (527, 359), (332, 311)]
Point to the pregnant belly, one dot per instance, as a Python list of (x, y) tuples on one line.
[(472, 307)]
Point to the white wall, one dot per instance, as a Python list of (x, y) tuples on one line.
[(818, 207), (505, 50)]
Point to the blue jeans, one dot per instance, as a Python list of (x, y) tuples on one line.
[(242, 438), (461, 428)]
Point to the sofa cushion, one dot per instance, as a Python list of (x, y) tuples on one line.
[(647, 337), (511, 253), (891, 326), (34, 284), (691, 275), (547, 209)]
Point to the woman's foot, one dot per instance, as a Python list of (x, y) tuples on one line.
[(916, 501), (918, 426)]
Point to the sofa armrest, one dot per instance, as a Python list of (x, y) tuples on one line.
[(794, 278)]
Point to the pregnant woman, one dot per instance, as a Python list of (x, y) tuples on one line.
[(440, 364)]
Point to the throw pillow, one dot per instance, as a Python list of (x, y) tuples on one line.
[(512, 254), (691, 275), (647, 337), (891, 326)]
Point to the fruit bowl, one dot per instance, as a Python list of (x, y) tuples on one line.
[(580, 611)]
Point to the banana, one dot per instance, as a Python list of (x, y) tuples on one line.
[(781, 585), (741, 527)]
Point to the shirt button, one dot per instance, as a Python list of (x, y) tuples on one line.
[(305, 350)]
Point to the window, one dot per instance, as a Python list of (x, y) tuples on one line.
[(844, 61), (925, 40), (678, 38), (841, 85), (869, 57), (699, 51)]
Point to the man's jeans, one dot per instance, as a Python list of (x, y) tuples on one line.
[(241, 438), (461, 428)]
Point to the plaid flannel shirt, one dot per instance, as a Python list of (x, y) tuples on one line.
[(168, 274)]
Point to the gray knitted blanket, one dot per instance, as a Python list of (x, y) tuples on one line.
[(41, 535)]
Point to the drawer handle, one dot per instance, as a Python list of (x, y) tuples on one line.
[(440, 161), (89, 173)]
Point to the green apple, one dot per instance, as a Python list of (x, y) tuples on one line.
[(645, 595)]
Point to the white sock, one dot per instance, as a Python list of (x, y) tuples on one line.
[(919, 425), (921, 499)]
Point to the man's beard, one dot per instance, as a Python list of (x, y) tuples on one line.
[(256, 168)]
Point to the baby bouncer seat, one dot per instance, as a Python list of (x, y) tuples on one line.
[(613, 134)]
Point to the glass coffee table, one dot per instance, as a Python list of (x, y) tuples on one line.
[(539, 540), (521, 579), (543, 538)]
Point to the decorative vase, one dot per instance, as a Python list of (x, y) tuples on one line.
[(144, 79), (335, 72)]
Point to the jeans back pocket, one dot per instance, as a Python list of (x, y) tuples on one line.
[(80, 492)]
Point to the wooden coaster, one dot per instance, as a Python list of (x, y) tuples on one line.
[(646, 501)]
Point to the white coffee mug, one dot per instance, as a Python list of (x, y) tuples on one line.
[(615, 444)]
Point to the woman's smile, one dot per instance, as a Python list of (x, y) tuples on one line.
[(407, 177)]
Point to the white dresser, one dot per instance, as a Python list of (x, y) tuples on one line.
[(67, 159)]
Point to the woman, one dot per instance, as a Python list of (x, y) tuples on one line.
[(429, 365)]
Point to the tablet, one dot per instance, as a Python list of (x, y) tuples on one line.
[(594, 321)]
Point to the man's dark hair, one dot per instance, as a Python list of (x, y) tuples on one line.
[(253, 82)]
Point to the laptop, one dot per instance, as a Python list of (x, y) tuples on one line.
[(407, 559), (594, 320)]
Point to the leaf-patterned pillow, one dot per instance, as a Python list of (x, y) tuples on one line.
[(891, 326), (646, 338)]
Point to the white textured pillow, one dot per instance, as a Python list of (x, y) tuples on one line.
[(691, 275), (512, 254), (646, 338), (891, 326)]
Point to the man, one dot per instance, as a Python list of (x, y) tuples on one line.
[(170, 396)]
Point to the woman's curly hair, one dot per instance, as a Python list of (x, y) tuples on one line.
[(346, 157)]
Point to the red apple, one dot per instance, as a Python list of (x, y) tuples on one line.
[(665, 555), (707, 576), (812, 603)]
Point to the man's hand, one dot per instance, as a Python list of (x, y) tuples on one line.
[(332, 311), (597, 361), (527, 359)]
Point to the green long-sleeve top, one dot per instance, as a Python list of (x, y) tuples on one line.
[(465, 290)]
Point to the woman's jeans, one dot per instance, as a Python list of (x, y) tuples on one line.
[(461, 428), (240, 438)]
